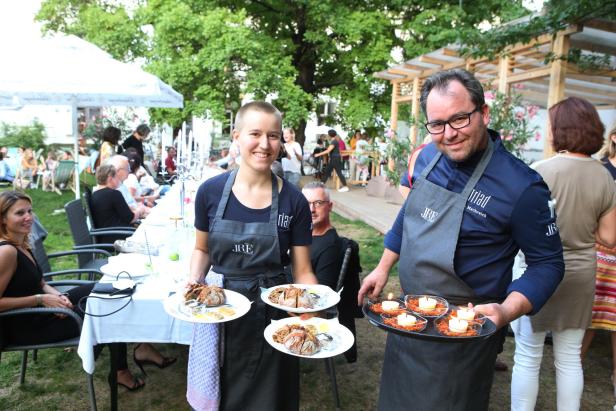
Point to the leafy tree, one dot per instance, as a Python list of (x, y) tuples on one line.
[(216, 51), (29, 136)]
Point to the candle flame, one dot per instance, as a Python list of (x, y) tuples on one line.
[(390, 296)]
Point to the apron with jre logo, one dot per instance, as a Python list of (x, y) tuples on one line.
[(253, 375), (428, 375)]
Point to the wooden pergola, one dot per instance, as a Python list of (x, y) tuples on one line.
[(544, 84)]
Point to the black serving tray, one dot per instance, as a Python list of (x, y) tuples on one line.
[(430, 332)]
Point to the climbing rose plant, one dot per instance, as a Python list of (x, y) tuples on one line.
[(510, 116)]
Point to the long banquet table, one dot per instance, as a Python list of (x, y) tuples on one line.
[(144, 318)]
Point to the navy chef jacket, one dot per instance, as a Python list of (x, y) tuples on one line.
[(508, 210)]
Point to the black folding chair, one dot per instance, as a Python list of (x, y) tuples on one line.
[(329, 362), (42, 259), (85, 238)]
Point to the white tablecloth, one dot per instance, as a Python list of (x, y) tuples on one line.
[(144, 319)]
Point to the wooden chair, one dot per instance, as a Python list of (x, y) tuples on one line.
[(62, 177)]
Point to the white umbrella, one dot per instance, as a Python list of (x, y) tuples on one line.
[(66, 70)]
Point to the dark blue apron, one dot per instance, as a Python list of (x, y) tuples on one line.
[(428, 375)]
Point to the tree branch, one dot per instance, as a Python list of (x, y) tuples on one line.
[(266, 6)]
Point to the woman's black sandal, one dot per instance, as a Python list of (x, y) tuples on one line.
[(140, 363), (137, 384)]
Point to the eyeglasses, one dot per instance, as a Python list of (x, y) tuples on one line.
[(456, 122), (317, 203)]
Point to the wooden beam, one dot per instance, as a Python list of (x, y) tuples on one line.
[(594, 47), (528, 75), (558, 69), (450, 52), (394, 106), (432, 60), (595, 78), (401, 72), (503, 72), (601, 24), (415, 109), (542, 39), (574, 68), (405, 99), (584, 89), (415, 68)]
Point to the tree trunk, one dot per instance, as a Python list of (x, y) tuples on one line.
[(300, 133)]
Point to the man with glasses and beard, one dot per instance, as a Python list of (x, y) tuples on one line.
[(472, 207), (326, 256)]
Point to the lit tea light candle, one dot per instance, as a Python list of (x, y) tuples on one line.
[(389, 306), (465, 313), (406, 320), (457, 325), (427, 303)]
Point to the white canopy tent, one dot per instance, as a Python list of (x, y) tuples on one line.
[(66, 70)]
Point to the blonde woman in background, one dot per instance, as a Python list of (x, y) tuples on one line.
[(604, 307)]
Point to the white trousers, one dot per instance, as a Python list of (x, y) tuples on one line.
[(567, 346)]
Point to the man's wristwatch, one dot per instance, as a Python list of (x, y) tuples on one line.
[(39, 299)]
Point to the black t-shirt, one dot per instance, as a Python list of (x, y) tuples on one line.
[(109, 209), (326, 257), (335, 153), (134, 142), (294, 220)]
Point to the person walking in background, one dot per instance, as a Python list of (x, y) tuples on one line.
[(353, 160), (292, 166), (335, 160), (362, 159), (136, 139), (604, 307), (584, 196)]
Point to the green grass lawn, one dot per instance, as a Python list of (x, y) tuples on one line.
[(57, 380)]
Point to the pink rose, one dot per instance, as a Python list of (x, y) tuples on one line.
[(519, 115), (488, 95), (508, 137), (518, 86), (537, 136), (532, 111)]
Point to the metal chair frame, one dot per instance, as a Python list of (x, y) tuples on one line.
[(330, 367), (71, 342)]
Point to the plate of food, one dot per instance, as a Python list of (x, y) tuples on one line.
[(135, 264), (428, 306), (300, 298), (460, 322), (208, 304), (387, 307), (406, 321), (435, 328), (312, 338)]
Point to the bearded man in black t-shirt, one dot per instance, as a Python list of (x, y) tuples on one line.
[(326, 251)]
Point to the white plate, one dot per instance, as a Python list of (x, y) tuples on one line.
[(327, 297), (175, 307), (343, 338), (133, 263)]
